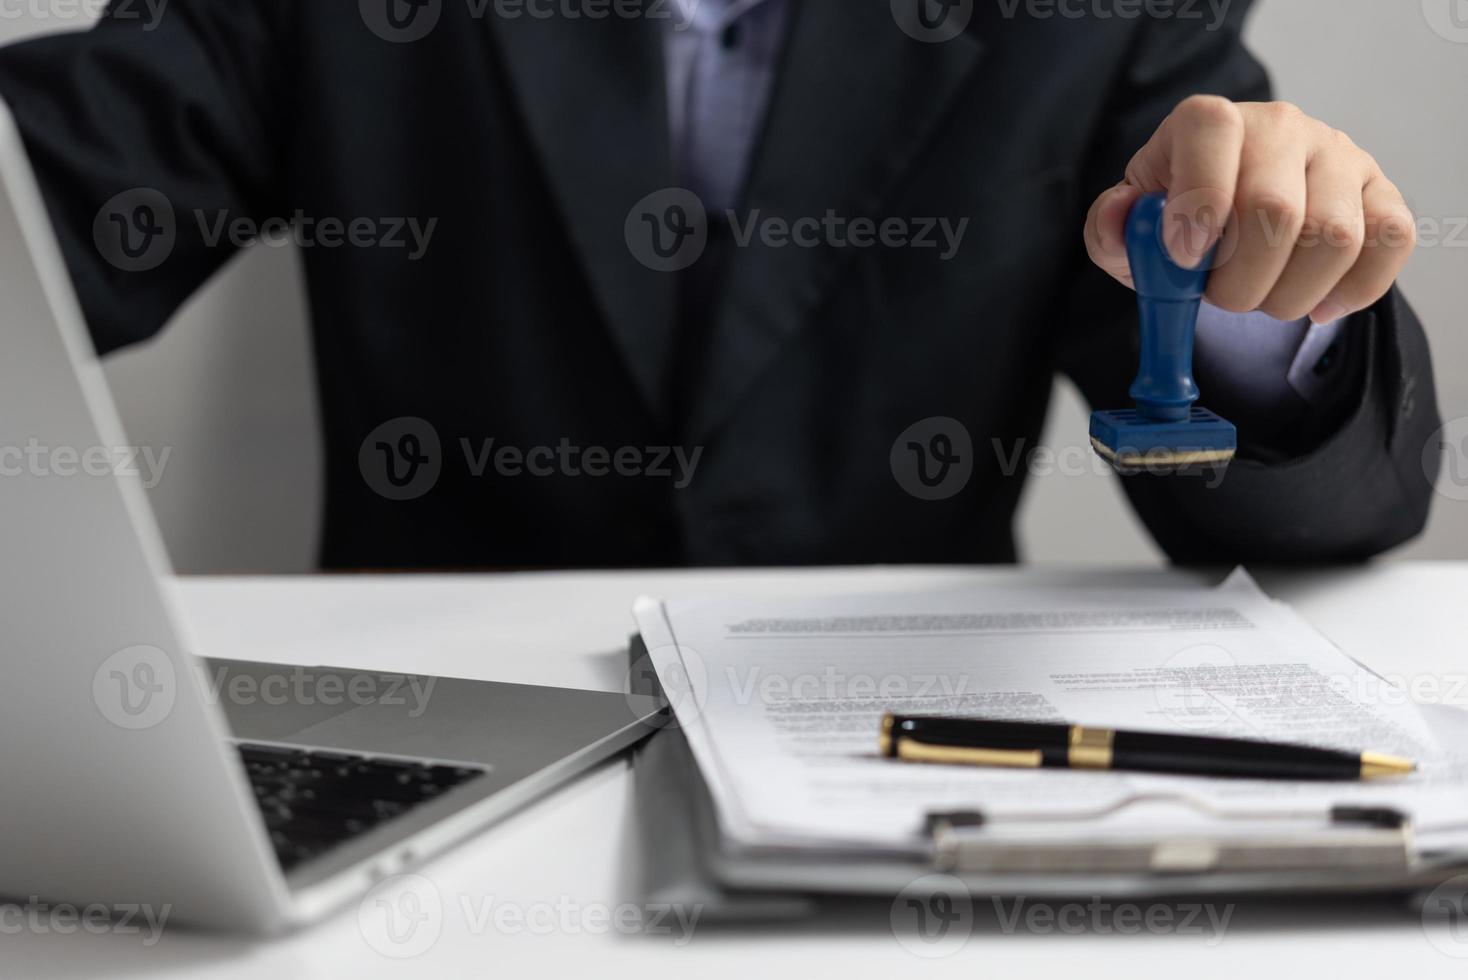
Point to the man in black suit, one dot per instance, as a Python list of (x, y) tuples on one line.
[(645, 282)]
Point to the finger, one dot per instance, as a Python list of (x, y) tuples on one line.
[(1269, 211), (1106, 231), (1203, 141), (1331, 238), (1391, 236)]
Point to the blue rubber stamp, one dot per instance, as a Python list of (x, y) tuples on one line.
[(1166, 432)]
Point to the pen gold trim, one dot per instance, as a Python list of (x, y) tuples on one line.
[(1377, 765), (1090, 748), (910, 751)]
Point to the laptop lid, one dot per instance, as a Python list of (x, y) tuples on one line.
[(117, 783)]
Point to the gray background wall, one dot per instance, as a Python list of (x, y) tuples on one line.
[(228, 386)]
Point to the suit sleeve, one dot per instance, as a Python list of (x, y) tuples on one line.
[(1291, 495), (146, 134)]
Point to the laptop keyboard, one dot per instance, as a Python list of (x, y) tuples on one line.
[(315, 800)]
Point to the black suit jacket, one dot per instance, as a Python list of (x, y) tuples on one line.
[(531, 321)]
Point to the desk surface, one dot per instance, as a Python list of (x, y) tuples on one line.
[(544, 890)]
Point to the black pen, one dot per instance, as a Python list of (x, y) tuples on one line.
[(1032, 745)]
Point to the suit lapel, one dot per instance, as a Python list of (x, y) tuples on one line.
[(854, 102), (595, 100)]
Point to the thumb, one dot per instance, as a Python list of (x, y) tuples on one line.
[(1106, 231)]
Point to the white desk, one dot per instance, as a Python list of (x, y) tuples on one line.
[(570, 853)]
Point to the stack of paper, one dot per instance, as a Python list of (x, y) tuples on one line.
[(781, 702)]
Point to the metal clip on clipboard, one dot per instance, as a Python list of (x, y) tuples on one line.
[(1356, 839)]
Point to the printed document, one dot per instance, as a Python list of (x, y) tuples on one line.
[(782, 700)]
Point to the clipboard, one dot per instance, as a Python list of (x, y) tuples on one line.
[(685, 858)]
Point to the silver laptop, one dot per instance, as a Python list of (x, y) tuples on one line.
[(248, 796)]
